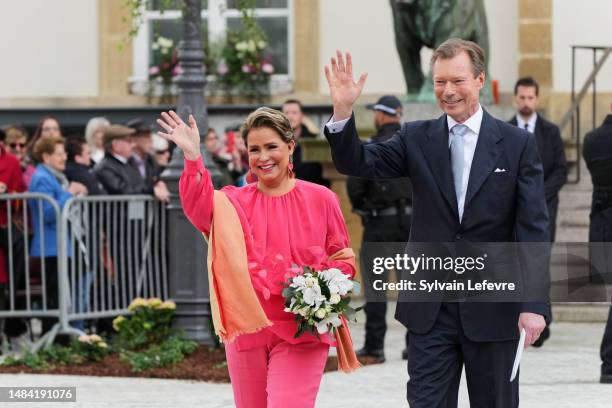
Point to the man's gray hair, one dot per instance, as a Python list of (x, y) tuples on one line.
[(455, 46)]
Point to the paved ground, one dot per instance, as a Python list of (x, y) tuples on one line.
[(564, 373)]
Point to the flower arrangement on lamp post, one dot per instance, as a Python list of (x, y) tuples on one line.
[(243, 67)]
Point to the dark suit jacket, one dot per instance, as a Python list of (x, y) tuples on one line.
[(366, 195), (499, 206), (597, 153), (151, 170), (308, 171), (120, 178), (84, 175), (552, 154)]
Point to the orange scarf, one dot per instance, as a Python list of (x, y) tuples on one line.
[(234, 305), (347, 360)]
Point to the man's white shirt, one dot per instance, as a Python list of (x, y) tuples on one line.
[(531, 122), (120, 158), (470, 138)]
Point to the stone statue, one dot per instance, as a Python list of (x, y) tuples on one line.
[(428, 23)]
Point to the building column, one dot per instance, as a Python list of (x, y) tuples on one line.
[(535, 44), (306, 46), (115, 65)]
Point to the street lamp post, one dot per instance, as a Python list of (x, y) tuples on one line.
[(186, 246)]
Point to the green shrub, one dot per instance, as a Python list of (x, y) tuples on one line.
[(171, 351), (144, 340)]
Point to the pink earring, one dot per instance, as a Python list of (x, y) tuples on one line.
[(290, 167), (250, 177)]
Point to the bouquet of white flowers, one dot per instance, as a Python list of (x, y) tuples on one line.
[(319, 299)]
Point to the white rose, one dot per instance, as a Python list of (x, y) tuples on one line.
[(310, 282), (304, 311), (334, 299), (321, 313)]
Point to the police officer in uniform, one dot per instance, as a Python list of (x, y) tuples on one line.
[(385, 208), (597, 153)]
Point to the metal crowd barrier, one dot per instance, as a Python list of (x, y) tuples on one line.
[(31, 299), (111, 249)]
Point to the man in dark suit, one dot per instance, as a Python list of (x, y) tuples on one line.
[(491, 189), (597, 153), (78, 165), (114, 171), (142, 159), (385, 207), (309, 171), (548, 140), (550, 148)]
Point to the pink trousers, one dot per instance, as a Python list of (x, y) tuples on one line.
[(277, 374)]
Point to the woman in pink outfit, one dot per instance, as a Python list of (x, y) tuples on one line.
[(286, 223)]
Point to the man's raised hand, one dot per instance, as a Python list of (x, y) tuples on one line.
[(185, 136), (343, 90)]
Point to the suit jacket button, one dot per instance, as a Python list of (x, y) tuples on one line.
[(458, 237)]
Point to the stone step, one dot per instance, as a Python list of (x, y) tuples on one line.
[(573, 217), (575, 199), (572, 234), (580, 312)]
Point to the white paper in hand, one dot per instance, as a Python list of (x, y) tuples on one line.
[(519, 354)]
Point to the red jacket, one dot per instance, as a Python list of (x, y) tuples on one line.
[(10, 174)]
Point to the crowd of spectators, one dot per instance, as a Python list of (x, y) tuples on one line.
[(107, 159)]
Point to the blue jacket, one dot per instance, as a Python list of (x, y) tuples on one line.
[(43, 181)]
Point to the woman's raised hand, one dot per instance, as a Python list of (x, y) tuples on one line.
[(343, 90), (185, 136)]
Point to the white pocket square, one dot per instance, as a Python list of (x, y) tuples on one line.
[(498, 170)]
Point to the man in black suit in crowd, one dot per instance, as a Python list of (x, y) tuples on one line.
[(550, 148), (384, 207), (548, 139), (115, 171), (475, 179), (308, 171), (78, 165), (142, 159), (597, 153)]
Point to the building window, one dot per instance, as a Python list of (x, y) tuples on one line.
[(274, 16)]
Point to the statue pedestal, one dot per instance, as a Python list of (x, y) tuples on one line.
[(317, 150)]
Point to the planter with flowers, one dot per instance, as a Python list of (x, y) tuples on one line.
[(162, 74), (241, 63), (144, 343)]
